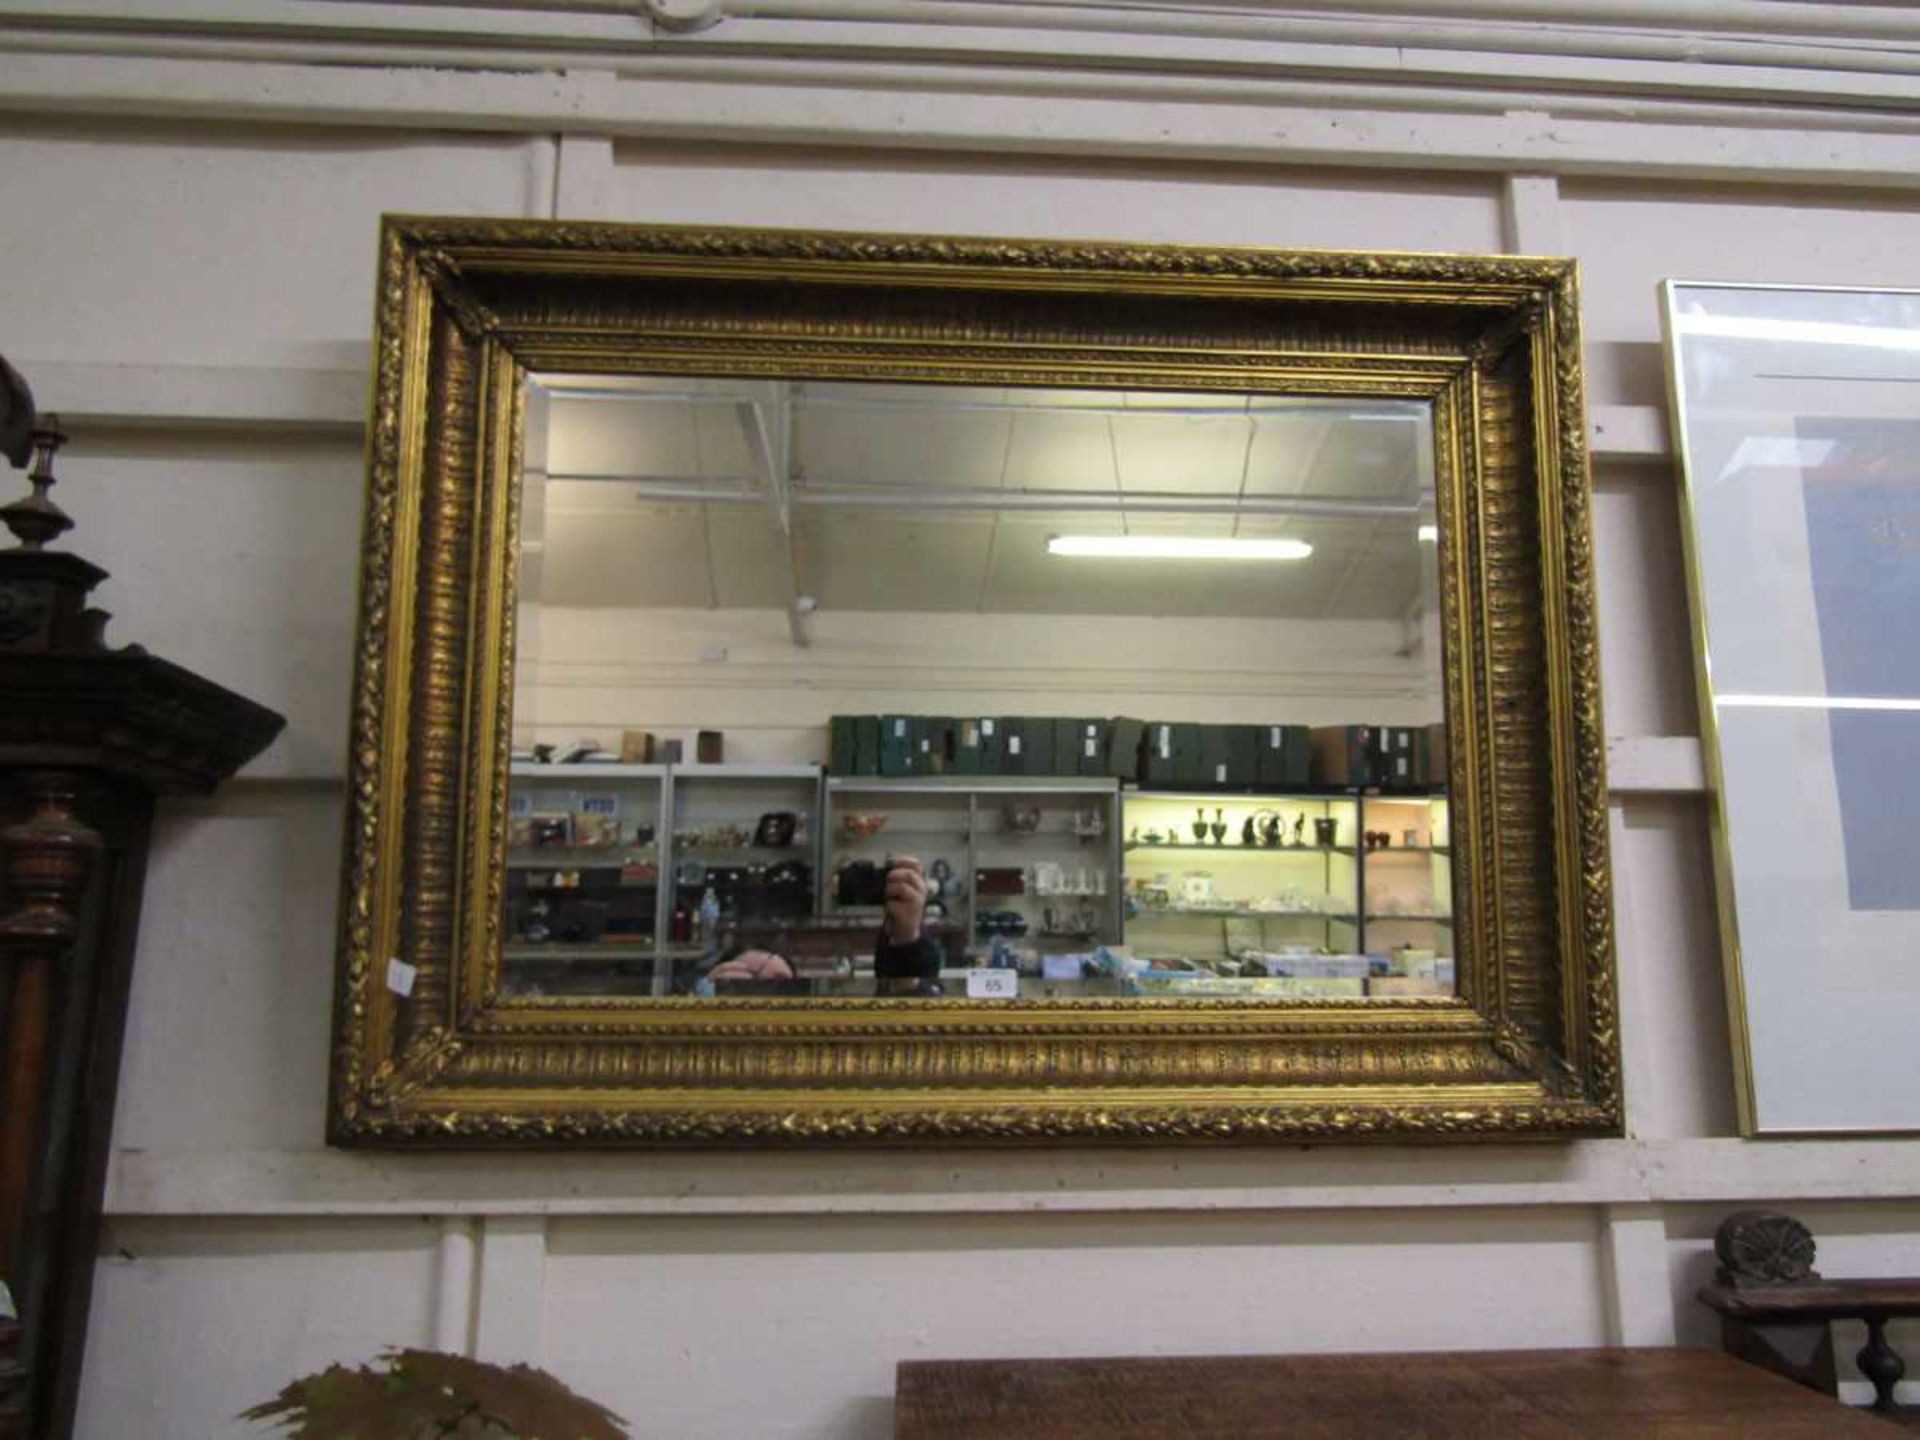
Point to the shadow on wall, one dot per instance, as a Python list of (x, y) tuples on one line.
[(236, 948), (1694, 1323), (868, 1418)]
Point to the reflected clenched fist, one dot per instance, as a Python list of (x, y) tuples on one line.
[(906, 899)]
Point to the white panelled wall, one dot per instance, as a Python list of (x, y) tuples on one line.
[(194, 293)]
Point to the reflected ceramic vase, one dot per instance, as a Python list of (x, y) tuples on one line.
[(1200, 825)]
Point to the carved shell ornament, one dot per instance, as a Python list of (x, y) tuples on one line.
[(1762, 1247)]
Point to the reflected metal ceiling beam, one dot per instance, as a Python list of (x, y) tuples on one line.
[(767, 423), (1253, 405), (918, 400), (738, 490)]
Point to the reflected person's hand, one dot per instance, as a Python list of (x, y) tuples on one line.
[(753, 965), (906, 900)]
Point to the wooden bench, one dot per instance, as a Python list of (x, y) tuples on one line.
[(1515, 1395), (1776, 1311)]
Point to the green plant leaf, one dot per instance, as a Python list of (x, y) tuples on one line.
[(423, 1394), (357, 1404), (526, 1401)]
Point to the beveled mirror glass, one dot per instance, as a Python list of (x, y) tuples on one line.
[(767, 564), (1212, 629)]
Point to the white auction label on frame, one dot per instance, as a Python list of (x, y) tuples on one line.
[(992, 984)]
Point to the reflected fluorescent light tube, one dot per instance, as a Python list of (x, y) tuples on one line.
[(1814, 702), (1430, 534), (1176, 547)]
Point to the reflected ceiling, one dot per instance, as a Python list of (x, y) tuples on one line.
[(672, 492)]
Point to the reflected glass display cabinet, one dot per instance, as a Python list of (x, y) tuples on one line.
[(1305, 894), (609, 868), (1029, 861)]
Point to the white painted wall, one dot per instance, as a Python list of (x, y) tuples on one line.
[(200, 307)]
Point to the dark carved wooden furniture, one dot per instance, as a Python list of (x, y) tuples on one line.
[(1775, 1309), (1512, 1395), (89, 735)]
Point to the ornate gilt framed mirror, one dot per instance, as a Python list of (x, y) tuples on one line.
[(814, 493)]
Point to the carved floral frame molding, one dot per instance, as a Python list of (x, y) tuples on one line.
[(467, 307)]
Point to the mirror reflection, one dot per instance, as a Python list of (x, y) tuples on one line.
[(837, 689)]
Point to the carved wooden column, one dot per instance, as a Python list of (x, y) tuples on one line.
[(45, 862), (88, 736)]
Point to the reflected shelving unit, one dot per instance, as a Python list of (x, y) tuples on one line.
[(607, 866), (1408, 889), (1211, 876), (1034, 859), (582, 883), (714, 842)]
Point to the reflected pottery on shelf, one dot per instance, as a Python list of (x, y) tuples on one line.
[(775, 830), (1263, 827), (1020, 819)]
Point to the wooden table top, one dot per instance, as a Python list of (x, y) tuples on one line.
[(1486, 1395)]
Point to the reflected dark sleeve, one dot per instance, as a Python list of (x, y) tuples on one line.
[(918, 959)]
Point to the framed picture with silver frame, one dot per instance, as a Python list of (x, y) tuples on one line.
[(1797, 417)]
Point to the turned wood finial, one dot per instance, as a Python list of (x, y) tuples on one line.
[(43, 593), (36, 520)]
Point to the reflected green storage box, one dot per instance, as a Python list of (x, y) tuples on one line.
[(899, 744), (1285, 756), (993, 745), (1398, 763), (840, 745), (1092, 741), (1171, 756), (967, 757), (932, 744), (1216, 756), (853, 745), (866, 745), (1027, 745), (1124, 746), (1066, 745)]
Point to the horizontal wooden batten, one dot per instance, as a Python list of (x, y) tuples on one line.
[(1601, 1172), (188, 396), (898, 108)]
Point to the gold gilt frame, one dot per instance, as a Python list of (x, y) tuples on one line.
[(466, 307)]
